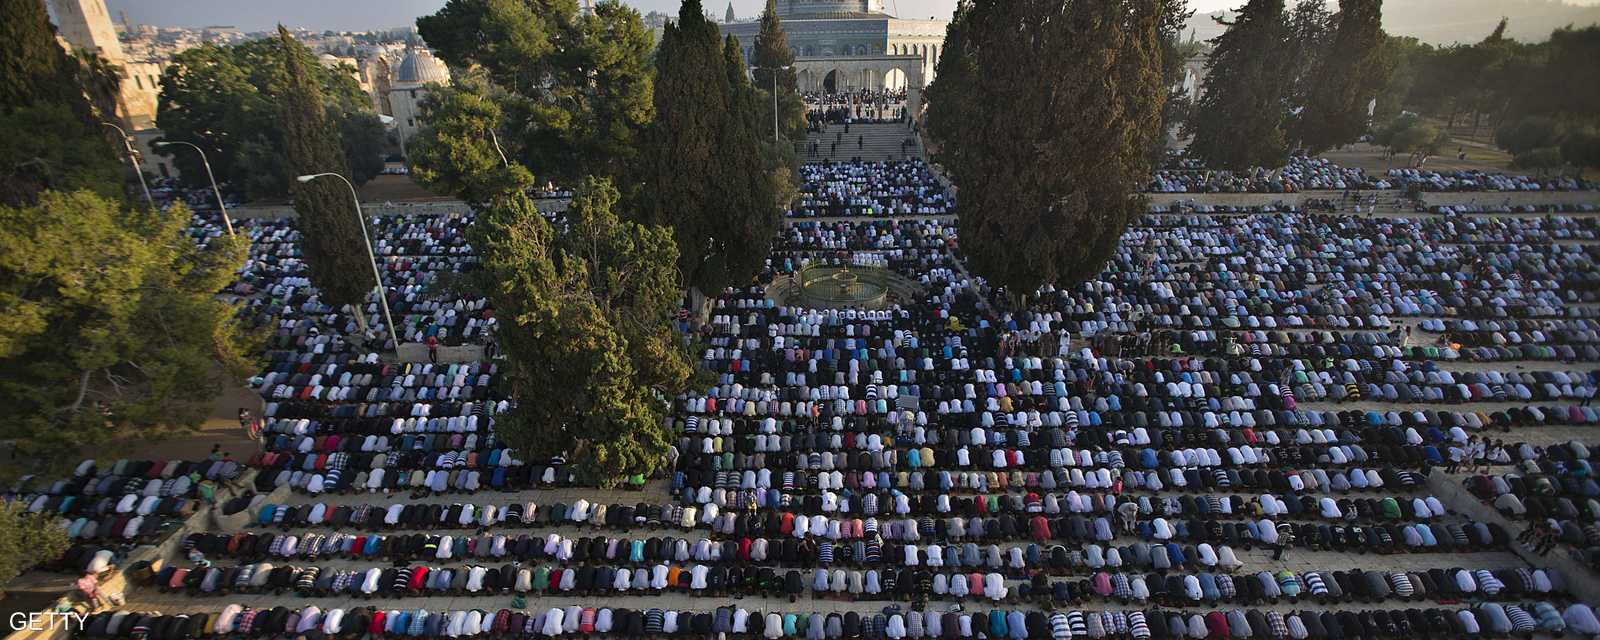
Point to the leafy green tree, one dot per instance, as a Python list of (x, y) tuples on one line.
[(114, 329), (1240, 120), (1581, 149), (225, 100), (458, 151), (701, 171), (42, 94), (576, 85), (1527, 134), (1405, 56), (27, 540), (1542, 159), (588, 346), (1347, 79), (331, 236), (1410, 135), (773, 61), (1080, 83)]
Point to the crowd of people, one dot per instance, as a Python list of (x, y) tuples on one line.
[(893, 188), (1182, 174), (1111, 459), (863, 106)]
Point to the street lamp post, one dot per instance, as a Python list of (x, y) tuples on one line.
[(775, 71), (383, 298), (220, 204), (132, 162)]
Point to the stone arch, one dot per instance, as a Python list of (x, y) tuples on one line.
[(834, 81), (894, 79), (806, 80)]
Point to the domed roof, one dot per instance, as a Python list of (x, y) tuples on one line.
[(420, 67), (830, 8)]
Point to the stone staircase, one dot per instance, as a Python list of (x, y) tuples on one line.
[(869, 142)]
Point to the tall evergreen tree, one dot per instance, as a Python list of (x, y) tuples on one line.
[(1045, 111), (1310, 27), (701, 171), (330, 231), (773, 65), (588, 349), (1240, 119), (42, 93), (1349, 77)]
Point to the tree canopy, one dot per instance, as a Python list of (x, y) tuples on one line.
[(1045, 111), (702, 170), (773, 62), (1413, 136), (331, 236), (1241, 118), (224, 99), (575, 87), (458, 150), (1347, 77), (27, 540), (114, 324), (586, 304)]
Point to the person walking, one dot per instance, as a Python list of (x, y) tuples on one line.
[(1285, 538), (248, 422)]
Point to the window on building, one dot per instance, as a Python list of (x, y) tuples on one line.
[(138, 83)]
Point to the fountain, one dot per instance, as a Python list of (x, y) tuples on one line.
[(841, 287), (847, 282)]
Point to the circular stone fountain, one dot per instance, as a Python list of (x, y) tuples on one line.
[(842, 287)]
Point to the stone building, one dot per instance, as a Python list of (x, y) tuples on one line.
[(845, 45), (409, 86), (86, 25)]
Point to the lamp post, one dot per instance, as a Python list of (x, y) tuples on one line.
[(775, 72), (220, 204), (383, 298), (132, 162)]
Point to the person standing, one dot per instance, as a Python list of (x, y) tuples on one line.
[(1285, 538), (249, 424), (433, 349)]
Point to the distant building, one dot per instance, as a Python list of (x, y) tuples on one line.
[(86, 25), (409, 86), (845, 45)]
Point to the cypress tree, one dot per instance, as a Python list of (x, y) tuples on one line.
[(1240, 119), (585, 342), (699, 172), (773, 57), (1348, 77), (772, 54), (330, 230), (1045, 111)]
